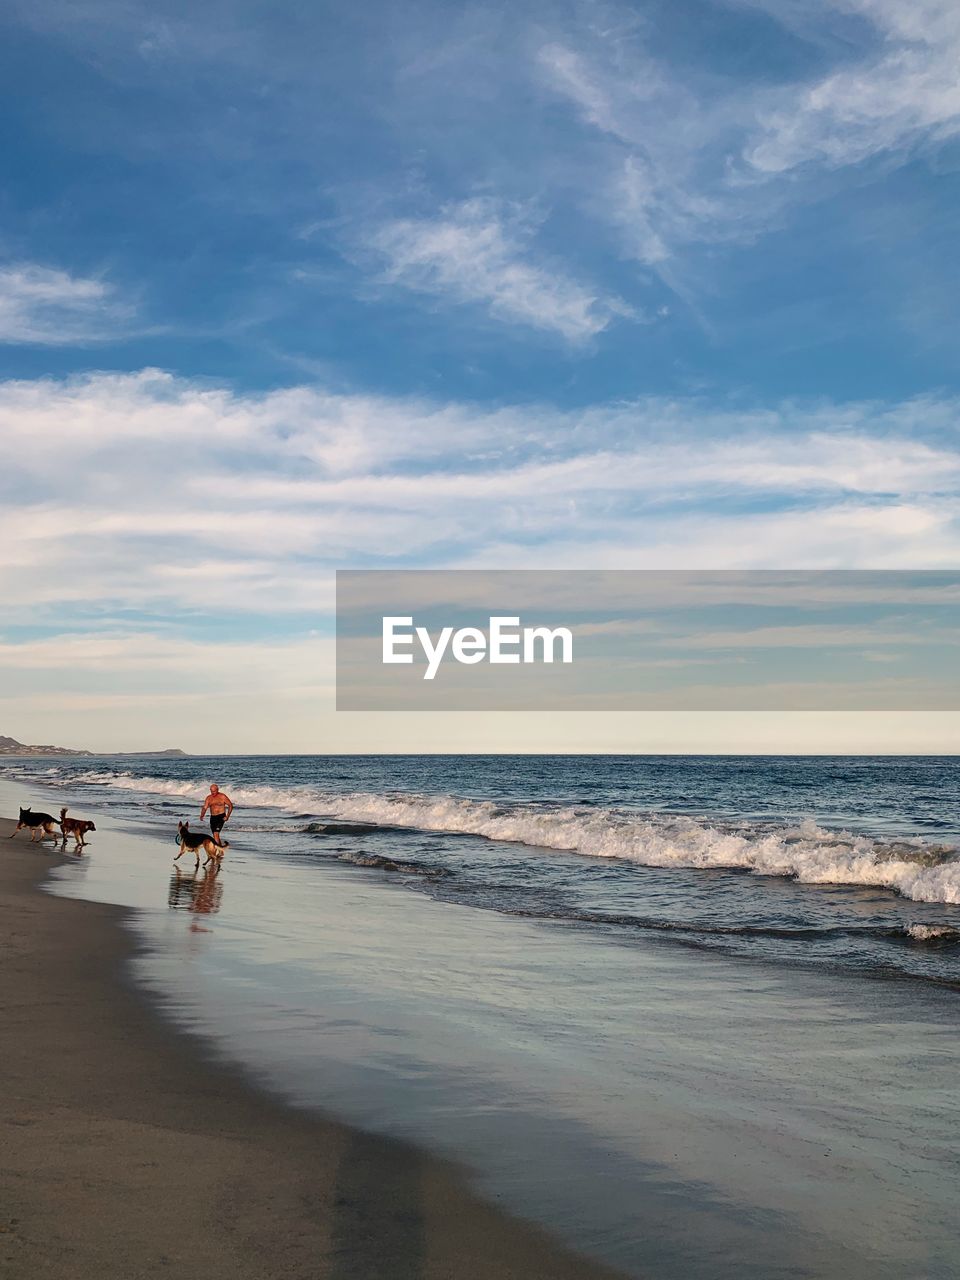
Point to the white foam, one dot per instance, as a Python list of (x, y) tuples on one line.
[(807, 853), (292, 799), (929, 932)]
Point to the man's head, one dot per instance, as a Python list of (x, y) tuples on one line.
[(214, 788)]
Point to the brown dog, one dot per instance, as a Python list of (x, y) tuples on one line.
[(195, 841), (76, 827)]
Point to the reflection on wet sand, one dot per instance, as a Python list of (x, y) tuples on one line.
[(199, 892)]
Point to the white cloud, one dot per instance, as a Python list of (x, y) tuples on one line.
[(121, 662), (182, 506), (49, 307), (814, 463), (829, 535), (656, 169), (680, 158), (712, 148), (887, 101), (166, 495), (189, 502), (479, 252)]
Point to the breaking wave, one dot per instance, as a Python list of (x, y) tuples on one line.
[(916, 869), (938, 933), (807, 853), (295, 800)]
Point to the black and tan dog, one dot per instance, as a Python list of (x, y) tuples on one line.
[(40, 824), (194, 841), (76, 827)]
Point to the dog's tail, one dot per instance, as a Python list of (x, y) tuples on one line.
[(63, 814)]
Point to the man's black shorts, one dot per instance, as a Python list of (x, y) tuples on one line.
[(216, 822)]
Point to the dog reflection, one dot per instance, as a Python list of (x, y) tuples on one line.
[(200, 893)]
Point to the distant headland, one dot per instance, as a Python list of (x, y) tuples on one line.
[(11, 747)]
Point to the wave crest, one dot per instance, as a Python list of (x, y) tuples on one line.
[(939, 933), (807, 853)]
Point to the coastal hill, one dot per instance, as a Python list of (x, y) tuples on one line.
[(11, 747)]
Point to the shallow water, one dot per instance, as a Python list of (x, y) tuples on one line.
[(762, 1111), (846, 863)]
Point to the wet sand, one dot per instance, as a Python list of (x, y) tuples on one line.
[(127, 1154)]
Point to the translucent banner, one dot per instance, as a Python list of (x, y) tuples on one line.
[(445, 640)]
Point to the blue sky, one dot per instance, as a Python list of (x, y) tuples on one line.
[(285, 288)]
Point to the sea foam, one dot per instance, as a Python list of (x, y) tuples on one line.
[(808, 853)]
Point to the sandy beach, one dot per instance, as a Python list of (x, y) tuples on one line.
[(126, 1154)]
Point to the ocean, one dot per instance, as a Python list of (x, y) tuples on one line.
[(697, 1015)]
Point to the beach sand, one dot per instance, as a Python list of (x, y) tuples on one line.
[(126, 1154)]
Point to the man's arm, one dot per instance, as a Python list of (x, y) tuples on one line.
[(229, 809), (203, 811)]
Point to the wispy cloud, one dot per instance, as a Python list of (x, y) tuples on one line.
[(694, 158), (633, 144), (481, 252), (44, 306), (901, 94)]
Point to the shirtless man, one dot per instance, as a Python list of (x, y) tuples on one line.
[(220, 806)]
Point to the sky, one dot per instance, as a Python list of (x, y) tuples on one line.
[(287, 288)]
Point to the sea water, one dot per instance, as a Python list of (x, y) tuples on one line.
[(697, 1015)]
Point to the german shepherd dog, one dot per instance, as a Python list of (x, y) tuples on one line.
[(40, 824), (194, 841), (76, 827)]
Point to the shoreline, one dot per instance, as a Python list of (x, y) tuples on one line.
[(128, 1152)]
